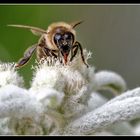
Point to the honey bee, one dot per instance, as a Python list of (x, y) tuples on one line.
[(58, 41)]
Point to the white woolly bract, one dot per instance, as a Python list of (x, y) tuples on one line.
[(121, 128), (110, 81), (128, 94), (95, 101), (74, 81), (4, 128), (48, 97), (136, 129), (48, 77), (10, 91), (8, 75), (25, 126), (108, 114), (16, 102)]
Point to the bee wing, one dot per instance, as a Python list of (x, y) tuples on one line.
[(27, 55), (35, 30), (75, 23)]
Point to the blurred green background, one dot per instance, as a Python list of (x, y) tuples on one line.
[(110, 32)]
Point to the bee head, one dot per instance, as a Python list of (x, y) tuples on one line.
[(64, 40), (61, 36)]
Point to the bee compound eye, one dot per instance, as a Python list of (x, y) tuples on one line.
[(68, 36), (57, 36), (58, 40)]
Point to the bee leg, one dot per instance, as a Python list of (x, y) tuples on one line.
[(47, 51), (59, 57), (74, 53), (78, 45), (27, 55), (82, 55)]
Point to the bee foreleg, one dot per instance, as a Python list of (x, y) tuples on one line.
[(59, 57), (81, 51), (27, 55), (73, 53), (47, 51)]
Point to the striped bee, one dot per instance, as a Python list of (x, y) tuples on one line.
[(58, 41)]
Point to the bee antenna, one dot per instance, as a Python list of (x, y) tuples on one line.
[(35, 30), (74, 24)]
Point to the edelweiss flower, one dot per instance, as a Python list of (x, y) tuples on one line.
[(66, 100)]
